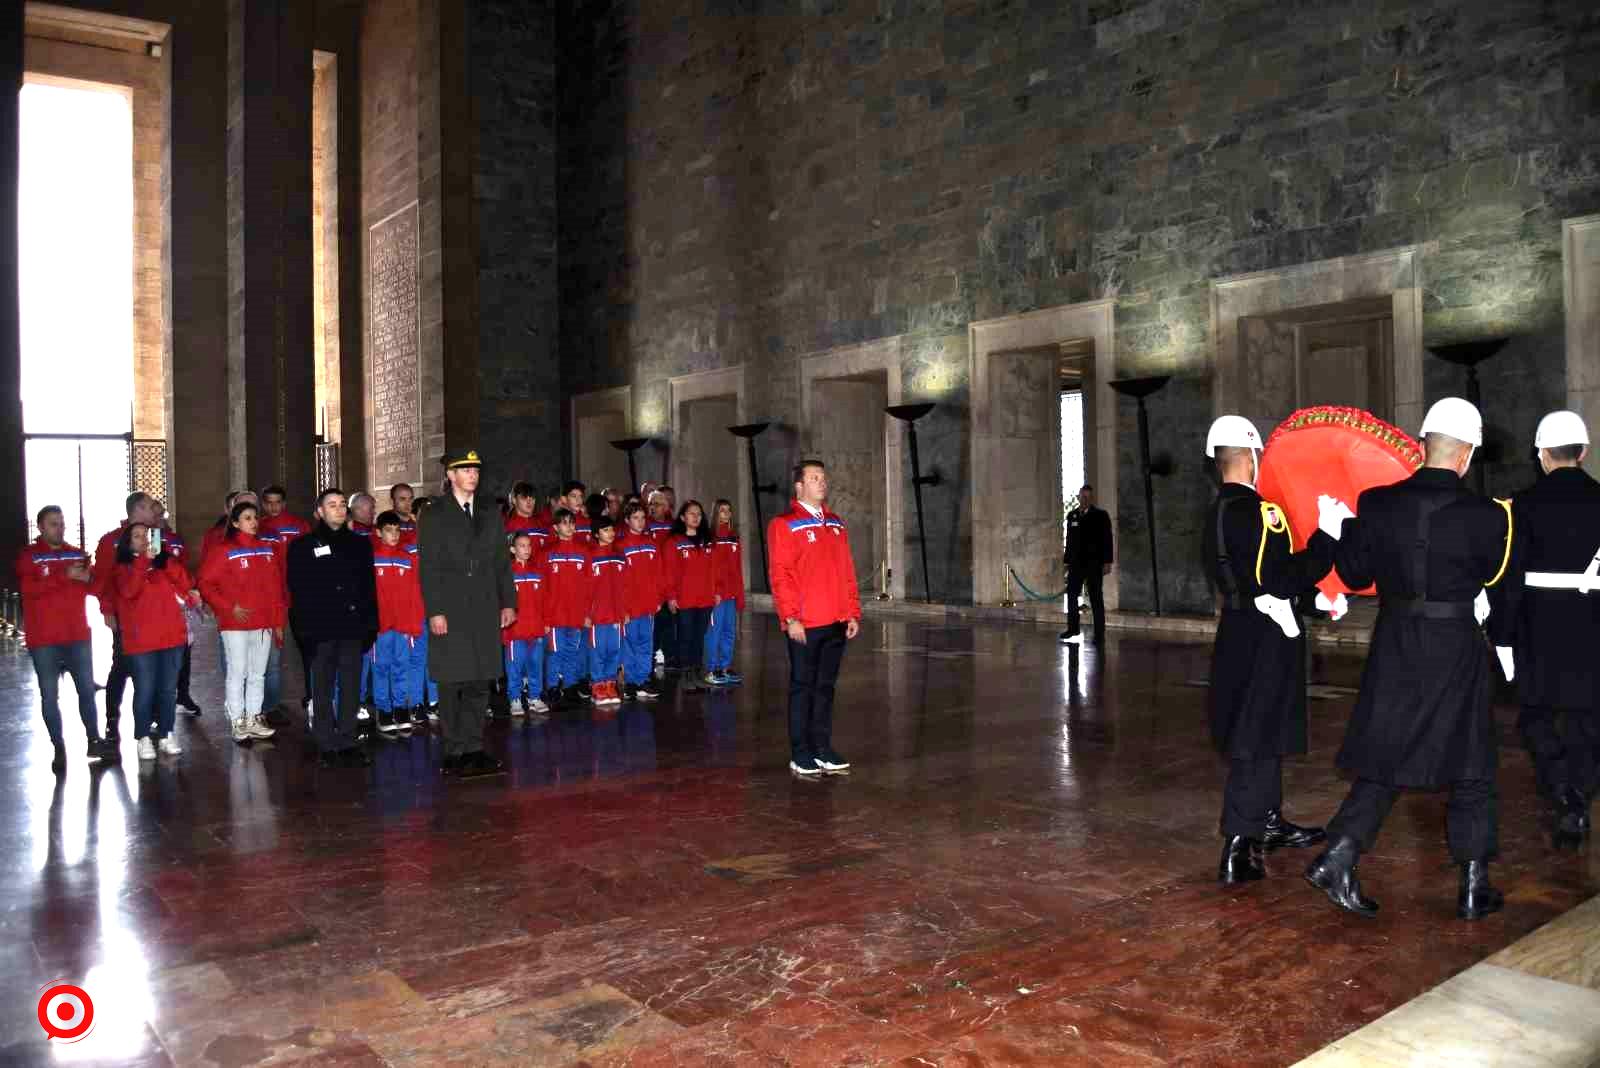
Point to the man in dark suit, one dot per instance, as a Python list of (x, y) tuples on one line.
[(333, 607), (469, 597), (1088, 558)]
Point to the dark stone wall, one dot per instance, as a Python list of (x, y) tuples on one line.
[(749, 183), (512, 50)]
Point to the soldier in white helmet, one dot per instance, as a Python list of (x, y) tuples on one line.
[(1258, 692), (1422, 720), (1556, 625)]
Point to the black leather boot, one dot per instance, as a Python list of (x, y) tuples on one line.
[(1241, 861), (1281, 834), (1477, 898), (1334, 873), (1572, 819)]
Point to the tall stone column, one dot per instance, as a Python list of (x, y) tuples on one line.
[(13, 496), (272, 416)]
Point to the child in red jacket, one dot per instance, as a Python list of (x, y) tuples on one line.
[(566, 590), (691, 587), (399, 656), (645, 592), (242, 586), (728, 592), (525, 640), (607, 610)]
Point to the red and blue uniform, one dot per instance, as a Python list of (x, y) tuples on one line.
[(645, 587), (534, 526), (53, 605), (608, 608), (727, 565), (398, 661), (526, 639), (566, 590)]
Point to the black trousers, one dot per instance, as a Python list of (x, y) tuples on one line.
[(185, 670), (1076, 582), (334, 725), (813, 671), (1564, 753), (116, 678), (691, 638), (666, 633), (1472, 817), (1254, 788), (461, 712)]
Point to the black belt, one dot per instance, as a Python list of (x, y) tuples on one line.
[(1423, 609)]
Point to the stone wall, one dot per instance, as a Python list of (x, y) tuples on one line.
[(749, 187)]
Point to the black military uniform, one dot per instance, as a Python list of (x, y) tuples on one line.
[(333, 599), (1422, 719), (1556, 635), (1088, 551), (466, 577), (1258, 693)]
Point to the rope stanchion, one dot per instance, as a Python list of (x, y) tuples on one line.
[(1030, 594)]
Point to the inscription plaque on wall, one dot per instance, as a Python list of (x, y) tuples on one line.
[(395, 331)]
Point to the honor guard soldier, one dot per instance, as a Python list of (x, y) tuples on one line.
[(1258, 691), (1557, 629), (1422, 720)]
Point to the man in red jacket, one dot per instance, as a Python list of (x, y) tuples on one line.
[(140, 508), (813, 583), (55, 580)]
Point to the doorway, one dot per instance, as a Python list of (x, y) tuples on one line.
[(847, 433)]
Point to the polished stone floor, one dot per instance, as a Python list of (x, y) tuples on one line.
[(1019, 871)]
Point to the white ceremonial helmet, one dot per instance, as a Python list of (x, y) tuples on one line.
[(1232, 431), (1560, 428), (1454, 418)]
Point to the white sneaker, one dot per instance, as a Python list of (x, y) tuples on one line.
[(258, 727), (363, 714), (661, 657), (147, 748), (169, 746), (241, 729)]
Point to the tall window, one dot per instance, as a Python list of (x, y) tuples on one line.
[(75, 243), (1072, 474)]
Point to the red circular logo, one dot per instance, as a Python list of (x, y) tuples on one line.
[(65, 1011)]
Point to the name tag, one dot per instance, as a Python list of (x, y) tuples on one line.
[(321, 550)]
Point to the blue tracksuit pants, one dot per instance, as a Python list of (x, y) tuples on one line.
[(638, 649), (525, 668), (605, 651), (570, 660), (720, 635), (399, 665)]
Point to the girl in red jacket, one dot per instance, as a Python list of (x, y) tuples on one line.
[(241, 584), (526, 640), (150, 589), (728, 591), (691, 586), (646, 591)]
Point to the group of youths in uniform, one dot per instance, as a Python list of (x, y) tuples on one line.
[(1448, 565)]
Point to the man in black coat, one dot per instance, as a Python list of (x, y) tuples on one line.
[(1422, 720), (469, 597), (333, 607), (1556, 633), (1258, 688), (1088, 558)]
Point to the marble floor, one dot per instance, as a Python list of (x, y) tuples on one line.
[(1018, 871)]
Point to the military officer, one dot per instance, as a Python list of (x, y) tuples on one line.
[(1258, 692), (469, 597), (1422, 718), (1557, 630)]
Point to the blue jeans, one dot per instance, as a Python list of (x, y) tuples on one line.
[(155, 690), (75, 659), (691, 627), (720, 635), (638, 648)]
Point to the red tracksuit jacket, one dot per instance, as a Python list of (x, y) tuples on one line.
[(148, 611), (243, 571), (534, 527), (728, 566), (213, 537), (608, 601), (566, 584), (691, 572), (292, 526), (531, 624), (812, 575), (658, 530), (399, 585), (52, 604), (645, 584), (104, 585)]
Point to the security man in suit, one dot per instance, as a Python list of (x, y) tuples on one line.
[(1258, 687), (469, 598), (1557, 631), (1422, 720), (1088, 558)]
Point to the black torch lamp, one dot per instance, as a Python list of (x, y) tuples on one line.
[(631, 446), (909, 414), (750, 431), (1139, 389)]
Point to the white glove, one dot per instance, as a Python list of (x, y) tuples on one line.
[(1331, 514), (1480, 606), (1335, 608), (1281, 612), (1507, 662)]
